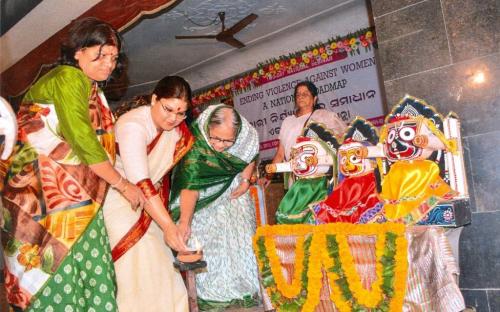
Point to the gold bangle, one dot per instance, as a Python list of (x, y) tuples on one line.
[(114, 185), (125, 188), (119, 181), (245, 180)]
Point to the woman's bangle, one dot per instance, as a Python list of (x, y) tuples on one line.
[(125, 188), (118, 185), (115, 185), (245, 180)]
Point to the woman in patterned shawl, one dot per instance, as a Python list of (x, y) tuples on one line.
[(151, 139), (56, 249), (8, 128), (212, 181)]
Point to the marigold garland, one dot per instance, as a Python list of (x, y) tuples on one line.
[(281, 302), (314, 274), (287, 290), (400, 272), (347, 292), (365, 297)]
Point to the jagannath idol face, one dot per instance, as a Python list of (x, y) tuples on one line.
[(399, 144), (304, 159), (310, 158), (351, 163)]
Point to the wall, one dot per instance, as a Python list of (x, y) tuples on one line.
[(349, 16), (431, 49)]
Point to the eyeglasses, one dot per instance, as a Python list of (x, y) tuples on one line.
[(221, 141), (178, 115)]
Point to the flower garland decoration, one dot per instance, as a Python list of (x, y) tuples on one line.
[(268, 274), (287, 290), (367, 298), (346, 299), (318, 54), (314, 274), (331, 253)]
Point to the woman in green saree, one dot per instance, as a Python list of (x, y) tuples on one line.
[(212, 181), (56, 249)]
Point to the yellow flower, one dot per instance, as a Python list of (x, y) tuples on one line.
[(333, 45), (306, 60), (369, 34), (227, 86), (268, 233), (293, 61), (314, 274), (352, 41), (321, 262), (349, 269), (287, 290), (324, 56), (29, 256), (401, 271), (277, 66), (315, 52), (367, 298)]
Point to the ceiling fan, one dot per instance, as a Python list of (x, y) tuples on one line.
[(226, 35)]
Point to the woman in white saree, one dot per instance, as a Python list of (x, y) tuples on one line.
[(151, 139)]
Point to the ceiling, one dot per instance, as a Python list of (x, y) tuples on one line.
[(11, 11), (153, 51)]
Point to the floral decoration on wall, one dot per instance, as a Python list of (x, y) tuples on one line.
[(312, 56)]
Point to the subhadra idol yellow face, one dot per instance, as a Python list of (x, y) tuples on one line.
[(351, 163)]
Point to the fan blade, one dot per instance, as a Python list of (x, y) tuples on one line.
[(241, 24), (196, 37), (232, 41)]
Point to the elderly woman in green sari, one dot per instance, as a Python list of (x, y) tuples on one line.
[(211, 201)]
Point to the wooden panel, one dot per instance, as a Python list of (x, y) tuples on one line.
[(274, 193)]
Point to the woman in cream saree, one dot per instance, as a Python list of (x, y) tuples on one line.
[(151, 139)]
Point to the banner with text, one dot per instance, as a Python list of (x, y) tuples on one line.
[(348, 86)]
